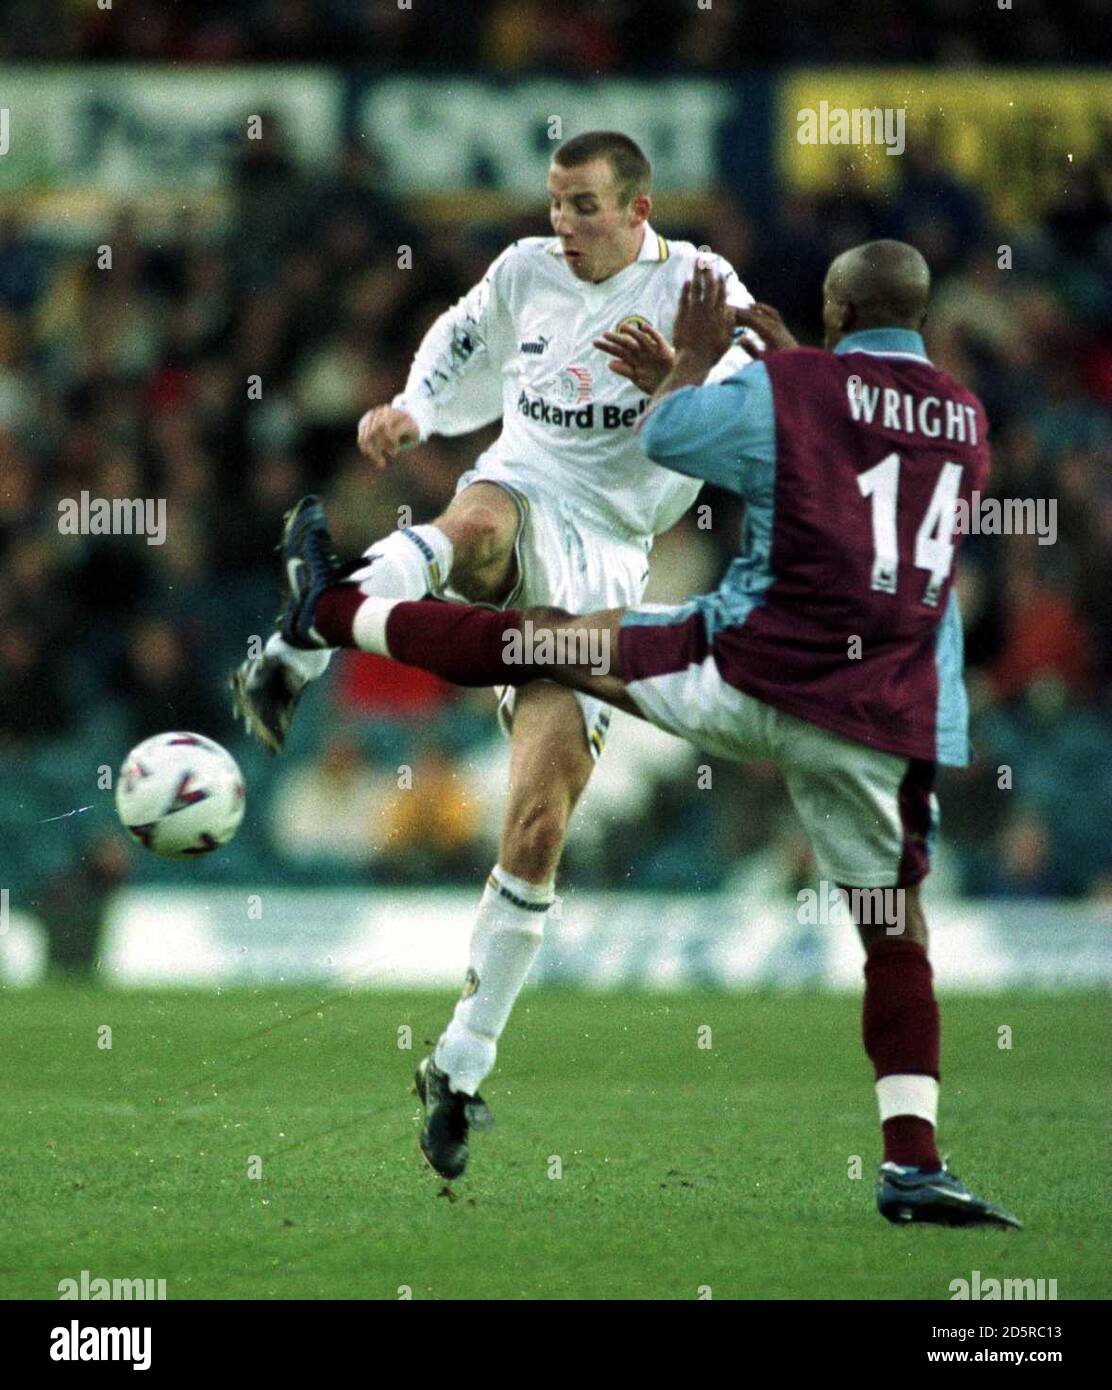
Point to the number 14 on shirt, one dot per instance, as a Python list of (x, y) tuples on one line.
[(934, 543)]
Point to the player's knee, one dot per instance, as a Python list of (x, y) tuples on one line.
[(478, 537)]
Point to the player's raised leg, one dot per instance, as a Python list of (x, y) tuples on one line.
[(472, 542), (474, 646)]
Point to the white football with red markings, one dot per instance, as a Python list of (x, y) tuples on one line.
[(180, 795)]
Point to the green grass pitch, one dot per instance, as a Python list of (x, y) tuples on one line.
[(682, 1167)]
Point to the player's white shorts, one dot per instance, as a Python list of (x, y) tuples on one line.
[(871, 816), (567, 561)]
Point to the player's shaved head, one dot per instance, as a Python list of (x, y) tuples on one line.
[(880, 284)]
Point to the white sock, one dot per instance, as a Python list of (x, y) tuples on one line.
[(406, 564), (909, 1094), (506, 939)]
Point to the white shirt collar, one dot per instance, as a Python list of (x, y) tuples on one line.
[(653, 247)]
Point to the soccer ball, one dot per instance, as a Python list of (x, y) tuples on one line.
[(180, 795)]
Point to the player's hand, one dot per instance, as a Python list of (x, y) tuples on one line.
[(642, 355), (384, 431), (704, 322), (766, 322)]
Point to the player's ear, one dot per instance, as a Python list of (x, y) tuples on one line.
[(640, 207)]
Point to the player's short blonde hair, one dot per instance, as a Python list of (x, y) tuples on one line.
[(633, 174)]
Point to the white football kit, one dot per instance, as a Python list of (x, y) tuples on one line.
[(520, 345)]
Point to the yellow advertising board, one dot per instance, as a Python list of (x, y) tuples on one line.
[(1012, 134)]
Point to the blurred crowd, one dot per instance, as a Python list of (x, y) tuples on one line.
[(225, 373), (575, 36)]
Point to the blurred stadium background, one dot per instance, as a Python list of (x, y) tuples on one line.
[(278, 257)]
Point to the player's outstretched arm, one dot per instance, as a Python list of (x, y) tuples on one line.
[(714, 432), (645, 357)]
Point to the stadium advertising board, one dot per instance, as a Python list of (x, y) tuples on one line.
[(161, 138), (438, 135), (1011, 134), (598, 941), (130, 131)]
